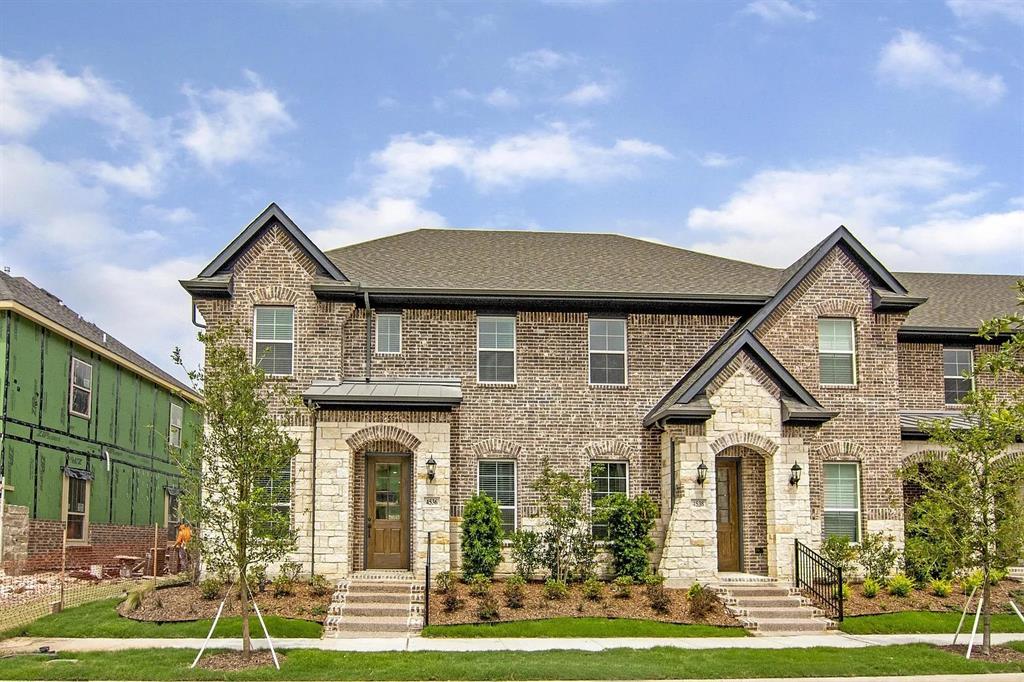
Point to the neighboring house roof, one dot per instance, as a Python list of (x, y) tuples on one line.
[(912, 424), (391, 393), (18, 291), (959, 301)]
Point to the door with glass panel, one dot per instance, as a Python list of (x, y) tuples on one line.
[(387, 513)]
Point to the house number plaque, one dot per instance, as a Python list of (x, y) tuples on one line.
[(431, 500), (699, 502)]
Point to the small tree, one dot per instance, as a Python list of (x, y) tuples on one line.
[(230, 464), (568, 538), (630, 522), (481, 536)]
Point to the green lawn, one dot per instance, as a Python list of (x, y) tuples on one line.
[(582, 627), (100, 619), (619, 664), (923, 622)]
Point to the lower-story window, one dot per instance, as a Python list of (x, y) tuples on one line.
[(76, 504), (497, 479), (842, 500), (606, 478)]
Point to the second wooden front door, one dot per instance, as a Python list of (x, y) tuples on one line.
[(387, 498), (727, 514)]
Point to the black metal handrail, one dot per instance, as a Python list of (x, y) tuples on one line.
[(822, 578), (426, 590)]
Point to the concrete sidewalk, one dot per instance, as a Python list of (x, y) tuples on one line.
[(32, 644)]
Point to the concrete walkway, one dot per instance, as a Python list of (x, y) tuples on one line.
[(32, 644)]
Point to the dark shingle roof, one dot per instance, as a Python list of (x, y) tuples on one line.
[(959, 301), (20, 290), (545, 261)]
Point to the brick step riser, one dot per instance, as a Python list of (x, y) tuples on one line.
[(377, 597), (787, 626), (379, 610), (349, 626), (766, 603), (396, 588), (760, 592), (760, 614)]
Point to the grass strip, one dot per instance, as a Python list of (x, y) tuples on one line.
[(582, 627), (923, 622)]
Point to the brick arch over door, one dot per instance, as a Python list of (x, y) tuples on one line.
[(754, 441), (382, 432)]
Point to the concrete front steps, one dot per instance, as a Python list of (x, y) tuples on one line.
[(1016, 573), (767, 608), (376, 603)]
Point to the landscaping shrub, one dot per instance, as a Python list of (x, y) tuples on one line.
[(654, 587), (515, 592), (996, 576), (526, 552), (481, 536), (847, 591), (870, 588), (446, 581), (593, 589), (319, 586), (138, 594), (291, 570), (451, 601), (840, 552), (488, 609), (568, 549), (258, 578), (480, 585), (972, 581), (702, 600), (622, 587), (281, 586), (555, 590), (900, 585), (877, 555), (940, 588), (630, 521), (210, 588), (318, 611)]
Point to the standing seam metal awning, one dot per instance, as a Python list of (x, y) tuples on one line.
[(399, 393)]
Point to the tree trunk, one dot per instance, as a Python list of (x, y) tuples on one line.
[(243, 596), (986, 611)]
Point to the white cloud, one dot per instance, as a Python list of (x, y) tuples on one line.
[(975, 11), (228, 126), (910, 61), (717, 160), (174, 216), (387, 102), (500, 98), (779, 11), (357, 220), (886, 201), (588, 93), (541, 60)]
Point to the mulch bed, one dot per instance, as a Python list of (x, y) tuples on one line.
[(234, 660), (999, 654), (537, 607), (175, 604), (924, 600)]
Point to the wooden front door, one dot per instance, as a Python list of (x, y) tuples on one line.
[(387, 487), (727, 514)]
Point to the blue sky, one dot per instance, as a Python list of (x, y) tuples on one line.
[(137, 139)]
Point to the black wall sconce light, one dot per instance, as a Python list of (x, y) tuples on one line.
[(431, 468), (794, 474), (702, 473)]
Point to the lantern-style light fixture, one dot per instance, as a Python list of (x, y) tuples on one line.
[(431, 468), (702, 473), (794, 474)]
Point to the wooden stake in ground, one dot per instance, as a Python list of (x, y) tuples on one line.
[(156, 541)]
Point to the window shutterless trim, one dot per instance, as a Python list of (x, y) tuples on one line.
[(72, 387), (172, 428), (378, 316), (291, 341), (593, 505), (624, 352), (515, 486), (64, 500), (970, 366), (857, 511), (513, 350), (852, 352)]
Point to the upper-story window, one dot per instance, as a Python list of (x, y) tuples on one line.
[(836, 352), (608, 352), (389, 333), (80, 402), (957, 373), (274, 339), (496, 350), (174, 430)]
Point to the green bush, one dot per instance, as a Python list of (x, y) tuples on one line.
[(138, 594), (877, 555), (451, 601), (555, 590), (630, 521), (291, 570), (996, 576), (319, 586), (318, 611), (622, 587), (972, 581), (702, 600), (870, 588), (593, 589), (480, 585), (847, 592), (210, 588), (515, 592), (281, 586), (258, 578), (481, 536), (488, 609), (526, 552), (446, 581), (940, 588), (900, 585), (569, 552), (840, 552)]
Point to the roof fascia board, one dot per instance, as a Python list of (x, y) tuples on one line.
[(942, 334), (272, 212), (80, 340)]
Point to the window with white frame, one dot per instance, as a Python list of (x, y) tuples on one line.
[(836, 352), (389, 333), (76, 505), (957, 373), (173, 513), (174, 430), (80, 400), (274, 339), (606, 478), (496, 350), (497, 479), (842, 500), (279, 490), (608, 352)]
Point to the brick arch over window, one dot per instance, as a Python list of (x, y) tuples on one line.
[(274, 294), (497, 447), (610, 450), (754, 441), (382, 432), (923, 456), (837, 307), (842, 449)]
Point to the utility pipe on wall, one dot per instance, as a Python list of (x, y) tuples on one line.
[(369, 333)]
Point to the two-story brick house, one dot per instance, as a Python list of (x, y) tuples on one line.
[(755, 405)]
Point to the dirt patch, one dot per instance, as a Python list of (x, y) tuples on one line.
[(924, 600), (235, 660), (175, 604), (535, 607), (998, 654)]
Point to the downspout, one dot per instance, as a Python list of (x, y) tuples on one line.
[(369, 333), (195, 322), (672, 473), (312, 533)]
